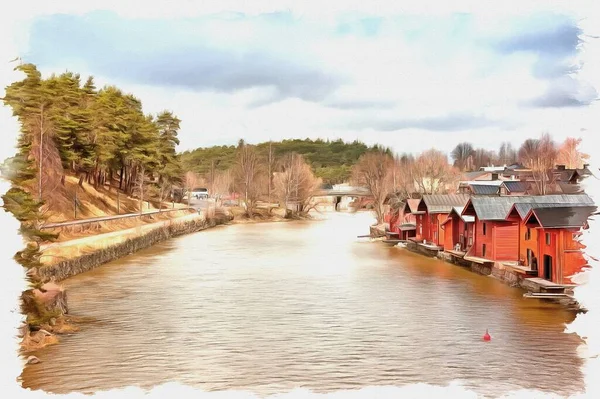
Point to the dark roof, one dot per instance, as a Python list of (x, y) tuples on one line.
[(517, 186), (524, 208), (584, 172), (498, 208), (563, 217), (474, 175), (443, 203), (483, 189), (570, 188)]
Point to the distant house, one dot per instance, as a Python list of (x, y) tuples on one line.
[(560, 255), (515, 188)]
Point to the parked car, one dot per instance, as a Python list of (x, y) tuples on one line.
[(200, 193)]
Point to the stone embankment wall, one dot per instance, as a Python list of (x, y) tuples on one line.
[(71, 267)]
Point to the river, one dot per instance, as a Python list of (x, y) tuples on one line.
[(274, 306)]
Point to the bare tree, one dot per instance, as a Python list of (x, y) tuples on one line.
[(463, 156), (483, 157), (248, 175), (271, 165), (374, 171), (569, 154), (223, 182), (190, 181), (507, 155), (432, 174), (296, 183), (403, 179), (539, 155)]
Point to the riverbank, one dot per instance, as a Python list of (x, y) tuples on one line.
[(507, 274)]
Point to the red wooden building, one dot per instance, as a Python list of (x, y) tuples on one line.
[(499, 225), (560, 254), (458, 231), (433, 211), (402, 219)]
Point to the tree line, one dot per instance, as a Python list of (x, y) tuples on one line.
[(68, 126), (330, 160)]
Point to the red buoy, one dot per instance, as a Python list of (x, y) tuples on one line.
[(486, 336)]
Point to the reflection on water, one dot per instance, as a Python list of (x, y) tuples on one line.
[(271, 307)]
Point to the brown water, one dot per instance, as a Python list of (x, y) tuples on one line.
[(271, 307)]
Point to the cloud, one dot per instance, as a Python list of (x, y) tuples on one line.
[(566, 92), (153, 52), (543, 34), (348, 75), (445, 123), (359, 104)]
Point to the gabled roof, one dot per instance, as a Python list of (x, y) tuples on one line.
[(412, 206), (484, 189), (498, 208), (458, 211), (443, 203), (563, 217), (516, 186)]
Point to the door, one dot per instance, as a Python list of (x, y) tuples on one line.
[(529, 257), (548, 267)]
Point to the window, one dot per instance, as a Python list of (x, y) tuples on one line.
[(435, 236), (470, 241), (483, 250), (548, 239), (484, 228), (528, 234)]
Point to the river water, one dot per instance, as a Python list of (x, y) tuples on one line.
[(274, 306)]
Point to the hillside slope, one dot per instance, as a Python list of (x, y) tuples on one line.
[(60, 202), (330, 160)]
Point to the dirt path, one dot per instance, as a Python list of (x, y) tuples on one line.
[(80, 246)]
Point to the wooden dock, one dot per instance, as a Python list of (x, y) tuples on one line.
[(458, 254), (520, 269), (481, 261), (548, 286), (547, 295)]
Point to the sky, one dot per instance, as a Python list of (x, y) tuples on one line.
[(406, 77)]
